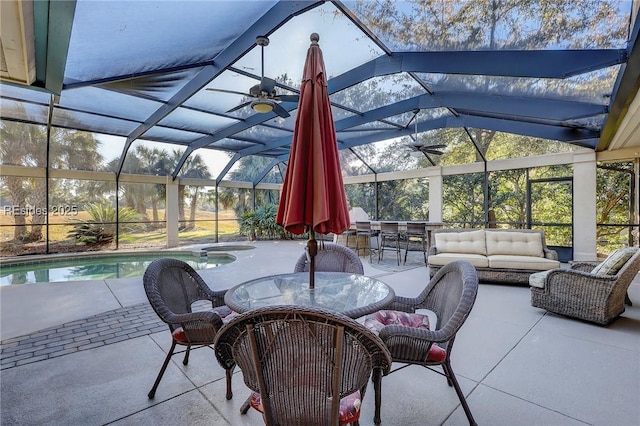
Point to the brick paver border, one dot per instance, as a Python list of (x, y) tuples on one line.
[(87, 333)]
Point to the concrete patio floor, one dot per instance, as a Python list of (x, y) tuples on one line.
[(518, 365)]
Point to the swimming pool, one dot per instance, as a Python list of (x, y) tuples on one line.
[(100, 266)]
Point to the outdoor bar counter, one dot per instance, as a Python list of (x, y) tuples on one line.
[(349, 238)]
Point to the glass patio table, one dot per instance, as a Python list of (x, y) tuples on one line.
[(351, 294)]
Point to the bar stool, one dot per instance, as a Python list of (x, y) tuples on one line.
[(389, 230), (417, 231), (363, 229), (349, 233)]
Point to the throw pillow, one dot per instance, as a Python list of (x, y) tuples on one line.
[(615, 261)]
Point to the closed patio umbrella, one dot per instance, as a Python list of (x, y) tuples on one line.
[(313, 198)]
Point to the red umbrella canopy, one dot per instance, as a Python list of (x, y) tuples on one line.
[(313, 192)]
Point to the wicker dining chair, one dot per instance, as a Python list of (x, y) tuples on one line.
[(594, 292), (450, 295), (305, 366), (172, 287), (332, 257)]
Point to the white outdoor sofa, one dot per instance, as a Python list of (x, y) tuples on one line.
[(499, 255)]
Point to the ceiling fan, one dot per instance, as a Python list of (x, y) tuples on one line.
[(264, 94), (416, 146), (427, 149)]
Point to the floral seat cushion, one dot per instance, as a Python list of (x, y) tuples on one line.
[(349, 407), (377, 321)]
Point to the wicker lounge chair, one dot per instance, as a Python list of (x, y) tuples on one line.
[(296, 358), (332, 258), (588, 291), (172, 286), (450, 294)]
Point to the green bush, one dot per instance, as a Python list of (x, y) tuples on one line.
[(101, 228), (261, 224)]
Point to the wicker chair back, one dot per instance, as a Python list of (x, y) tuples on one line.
[(301, 360), (332, 258)]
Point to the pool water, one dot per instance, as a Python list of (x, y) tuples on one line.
[(98, 267)]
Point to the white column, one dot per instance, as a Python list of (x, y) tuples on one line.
[(171, 212), (435, 194), (584, 207)]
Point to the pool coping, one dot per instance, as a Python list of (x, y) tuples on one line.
[(47, 258)]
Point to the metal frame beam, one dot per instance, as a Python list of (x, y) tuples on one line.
[(279, 14), (267, 169), (508, 63), (544, 109), (581, 137), (53, 22), (625, 90)]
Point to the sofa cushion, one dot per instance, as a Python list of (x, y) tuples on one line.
[(514, 243), (522, 262), (477, 260), (467, 242), (538, 279), (614, 262)]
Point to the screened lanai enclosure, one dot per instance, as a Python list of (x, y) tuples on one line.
[(166, 123)]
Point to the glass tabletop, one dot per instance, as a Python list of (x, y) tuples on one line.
[(351, 294)]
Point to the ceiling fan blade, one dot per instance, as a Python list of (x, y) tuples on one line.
[(280, 111), (242, 105), (436, 146), (289, 98), (228, 91), (433, 151)]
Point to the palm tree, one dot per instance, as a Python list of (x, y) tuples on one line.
[(194, 167), (26, 145), (158, 162), (249, 168), (22, 145)]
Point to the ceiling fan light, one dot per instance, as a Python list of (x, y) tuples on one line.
[(262, 107)]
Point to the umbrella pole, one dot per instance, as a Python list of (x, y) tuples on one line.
[(312, 249)]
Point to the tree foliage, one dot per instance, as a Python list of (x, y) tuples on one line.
[(25, 144)]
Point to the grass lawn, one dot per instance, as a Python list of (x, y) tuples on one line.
[(59, 226)]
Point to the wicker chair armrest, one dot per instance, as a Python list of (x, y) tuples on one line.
[(561, 280), (404, 304), (432, 250), (583, 266), (215, 296), (206, 318), (418, 336), (549, 253)]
